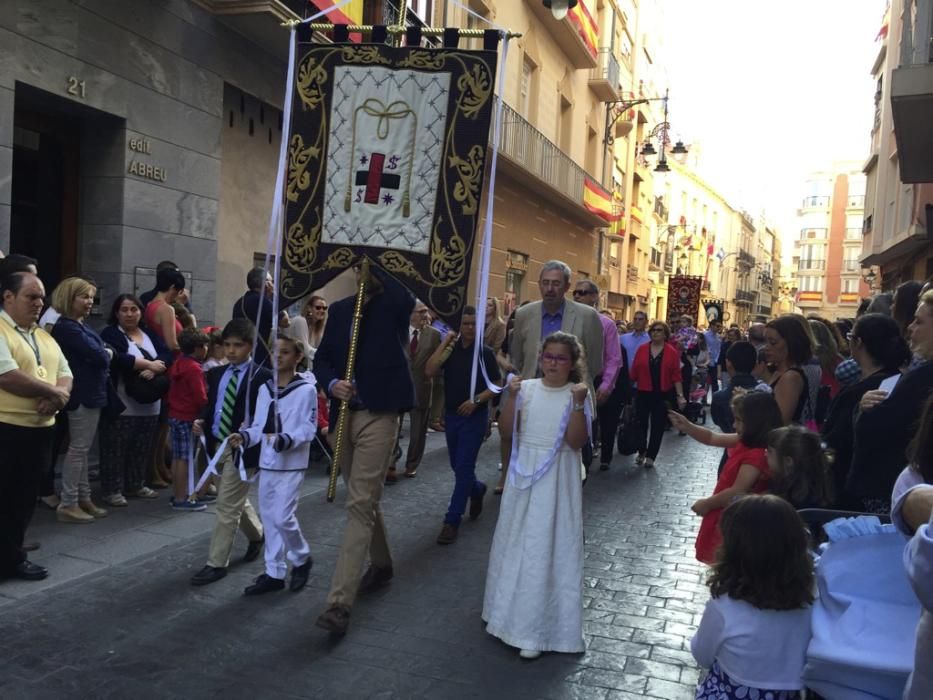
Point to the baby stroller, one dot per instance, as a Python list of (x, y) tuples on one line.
[(695, 410), (863, 621)]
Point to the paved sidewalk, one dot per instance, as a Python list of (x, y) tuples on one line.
[(117, 617)]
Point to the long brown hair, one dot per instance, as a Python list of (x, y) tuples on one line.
[(764, 558), (802, 475)]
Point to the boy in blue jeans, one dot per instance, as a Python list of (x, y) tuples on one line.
[(187, 395), (467, 410)]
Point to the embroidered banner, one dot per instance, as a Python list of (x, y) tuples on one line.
[(713, 308), (387, 156), (683, 297)]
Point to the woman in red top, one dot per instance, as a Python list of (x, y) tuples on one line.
[(746, 469), (656, 375), (159, 314)]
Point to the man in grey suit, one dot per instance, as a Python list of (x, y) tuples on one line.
[(423, 340), (537, 320)]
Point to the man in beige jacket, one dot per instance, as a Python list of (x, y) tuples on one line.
[(535, 321)]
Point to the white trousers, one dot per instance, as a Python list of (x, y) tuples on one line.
[(278, 501)]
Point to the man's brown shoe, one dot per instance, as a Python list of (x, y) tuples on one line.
[(335, 620), (448, 534)]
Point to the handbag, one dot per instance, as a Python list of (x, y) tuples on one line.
[(143, 390), (630, 435)]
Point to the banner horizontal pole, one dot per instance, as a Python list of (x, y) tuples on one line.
[(396, 30)]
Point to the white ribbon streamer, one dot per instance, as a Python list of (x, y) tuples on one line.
[(482, 273), (277, 216), (523, 477)]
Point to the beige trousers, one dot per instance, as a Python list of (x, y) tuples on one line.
[(233, 510), (418, 431), (363, 464)]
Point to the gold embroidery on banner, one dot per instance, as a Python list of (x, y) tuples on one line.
[(310, 83), (475, 89), (448, 258), (459, 176), (423, 59), (364, 54), (466, 192), (341, 258), (298, 159), (396, 262)]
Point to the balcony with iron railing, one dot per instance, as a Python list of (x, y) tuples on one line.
[(604, 78), (867, 224), (632, 273), (856, 201), (912, 93), (853, 234), (745, 258), (817, 202), (851, 265), (811, 264), (746, 297), (528, 148)]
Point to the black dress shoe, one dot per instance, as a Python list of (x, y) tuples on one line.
[(27, 571), (476, 504), (253, 549), (375, 578), (264, 584), (207, 575), (300, 576)]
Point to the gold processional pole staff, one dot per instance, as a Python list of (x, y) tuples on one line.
[(343, 420)]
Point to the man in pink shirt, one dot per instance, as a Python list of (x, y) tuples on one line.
[(586, 292)]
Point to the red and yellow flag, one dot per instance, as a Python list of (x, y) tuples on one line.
[(637, 215), (598, 201), (582, 21)]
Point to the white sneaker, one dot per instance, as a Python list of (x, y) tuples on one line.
[(529, 654), (639, 460)]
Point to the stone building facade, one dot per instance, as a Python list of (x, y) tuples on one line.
[(133, 132)]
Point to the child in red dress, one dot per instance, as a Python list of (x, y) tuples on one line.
[(746, 469)]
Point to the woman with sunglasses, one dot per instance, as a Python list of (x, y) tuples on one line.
[(315, 313), (656, 374)]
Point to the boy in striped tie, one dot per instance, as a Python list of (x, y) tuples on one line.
[(232, 392)]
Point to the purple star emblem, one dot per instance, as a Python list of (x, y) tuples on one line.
[(387, 198), (363, 159)]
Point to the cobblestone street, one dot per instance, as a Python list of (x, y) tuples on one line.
[(131, 626)]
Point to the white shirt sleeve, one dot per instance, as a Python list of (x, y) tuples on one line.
[(7, 363), (708, 638)]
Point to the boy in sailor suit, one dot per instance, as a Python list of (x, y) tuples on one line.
[(285, 423)]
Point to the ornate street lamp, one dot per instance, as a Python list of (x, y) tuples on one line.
[(615, 110), (560, 8)]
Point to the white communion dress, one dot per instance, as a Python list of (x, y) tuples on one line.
[(534, 584)]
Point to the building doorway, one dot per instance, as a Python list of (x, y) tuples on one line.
[(44, 212)]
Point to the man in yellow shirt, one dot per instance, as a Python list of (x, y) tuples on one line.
[(35, 383)]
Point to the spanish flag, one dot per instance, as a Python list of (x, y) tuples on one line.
[(598, 201), (637, 215), (583, 22), (351, 13)]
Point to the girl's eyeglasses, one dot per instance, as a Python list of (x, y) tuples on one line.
[(559, 359), (657, 330)]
